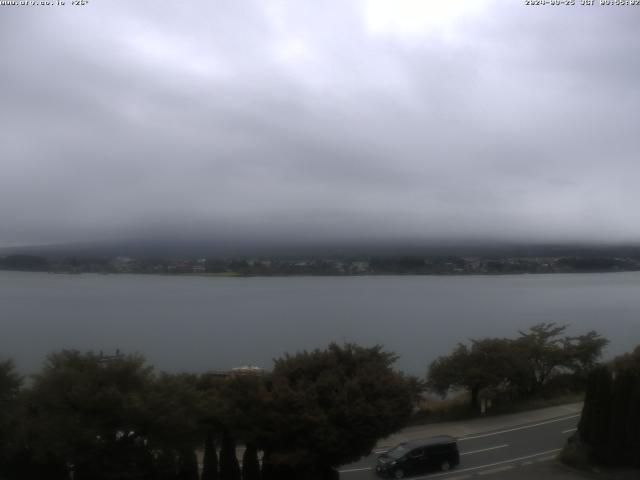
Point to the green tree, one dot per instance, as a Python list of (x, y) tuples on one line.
[(210, 459), (583, 352), (633, 419), (243, 403), (330, 407), (624, 425), (173, 425), (593, 428), (620, 433), (10, 384), (250, 463), (628, 361), (627, 368), (544, 351), (609, 428), (167, 466), (229, 466), (245, 412), (490, 363), (92, 413), (520, 366), (188, 465)]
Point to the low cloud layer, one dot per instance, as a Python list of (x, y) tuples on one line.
[(320, 120)]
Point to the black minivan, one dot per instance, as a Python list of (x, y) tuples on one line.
[(419, 456)]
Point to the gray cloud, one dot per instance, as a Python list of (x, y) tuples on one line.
[(309, 119)]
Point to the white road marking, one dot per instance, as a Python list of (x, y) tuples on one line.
[(545, 459), (485, 449), (484, 435), (569, 430), (496, 470), (354, 470), (473, 437), (512, 460)]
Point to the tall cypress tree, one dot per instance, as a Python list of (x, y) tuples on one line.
[(267, 471), (229, 466), (601, 415), (166, 465), (188, 465), (586, 424), (610, 422), (634, 422), (210, 460), (250, 463), (619, 428)]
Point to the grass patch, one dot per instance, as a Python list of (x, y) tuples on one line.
[(537, 403), (435, 410)]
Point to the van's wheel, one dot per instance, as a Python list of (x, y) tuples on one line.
[(399, 473), (444, 466)]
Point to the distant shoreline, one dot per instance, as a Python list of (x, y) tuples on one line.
[(324, 275), (324, 266)]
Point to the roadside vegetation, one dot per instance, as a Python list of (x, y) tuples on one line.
[(438, 410), (115, 418), (541, 367)]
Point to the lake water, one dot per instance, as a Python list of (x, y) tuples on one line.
[(199, 323)]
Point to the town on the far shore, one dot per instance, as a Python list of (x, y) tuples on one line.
[(389, 265)]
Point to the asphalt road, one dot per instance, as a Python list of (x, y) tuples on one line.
[(492, 452)]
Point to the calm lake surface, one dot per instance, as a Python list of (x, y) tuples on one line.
[(199, 323)]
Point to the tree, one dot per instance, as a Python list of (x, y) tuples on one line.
[(624, 428), (628, 361), (583, 352), (229, 466), (244, 410), (619, 434), (173, 424), (167, 465), (10, 383), (520, 366), (609, 428), (188, 465), (242, 406), (330, 407), (100, 406), (593, 428), (250, 463), (543, 350), (490, 363), (18, 460), (210, 459), (546, 353)]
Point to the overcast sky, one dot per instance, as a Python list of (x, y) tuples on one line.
[(375, 119)]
